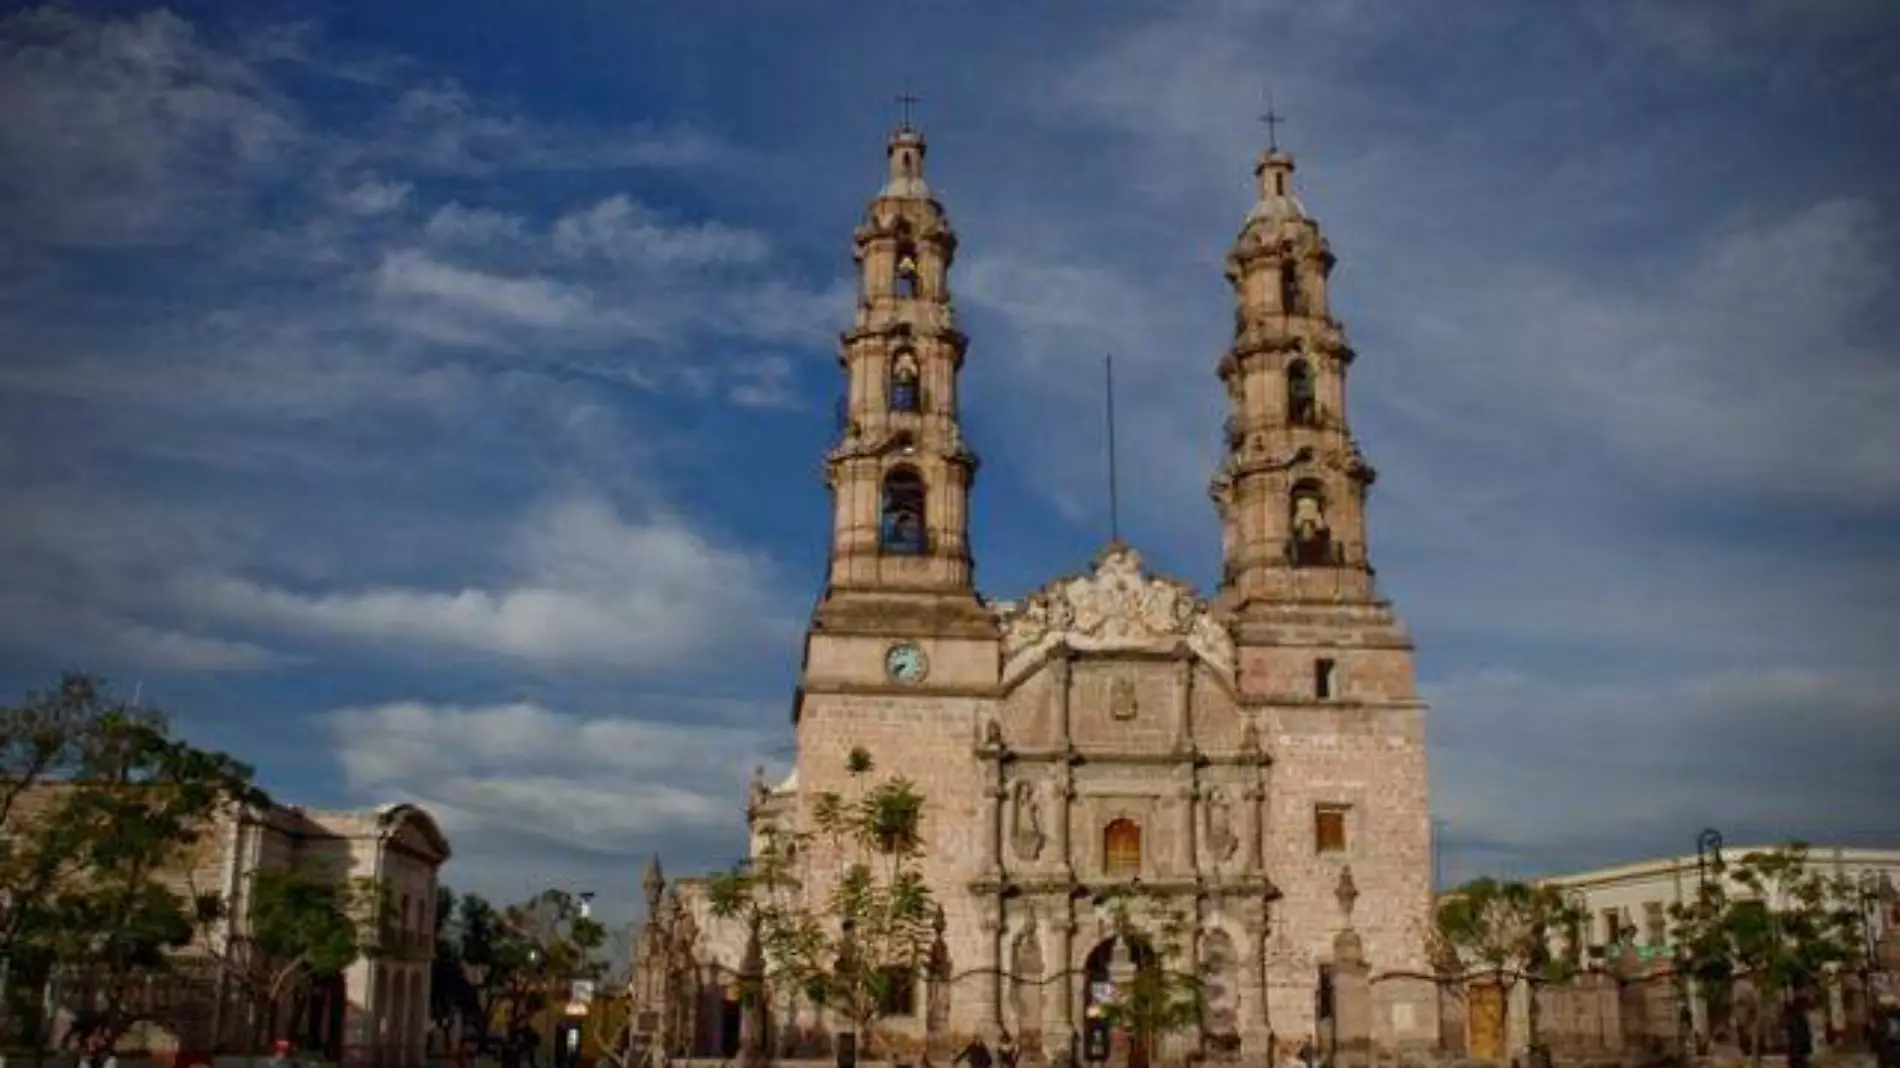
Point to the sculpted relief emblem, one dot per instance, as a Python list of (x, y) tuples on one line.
[(1122, 702), (1116, 606)]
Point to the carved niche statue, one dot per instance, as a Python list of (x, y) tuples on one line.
[(1221, 840), (1027, 838), (1123, 702)]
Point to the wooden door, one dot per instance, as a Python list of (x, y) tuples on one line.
[(1485, 1007)]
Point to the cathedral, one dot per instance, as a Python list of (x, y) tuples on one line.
[(1254, 758)]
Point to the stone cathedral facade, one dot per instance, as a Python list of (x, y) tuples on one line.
[(1257, 757)]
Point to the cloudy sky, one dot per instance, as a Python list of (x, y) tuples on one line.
[(425, 400)]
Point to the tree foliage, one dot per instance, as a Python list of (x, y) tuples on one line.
[(1769, 918), (864, 943), (1513, 932), (503, 965), (99, 803), (1160, 999)]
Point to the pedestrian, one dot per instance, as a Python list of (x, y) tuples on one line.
[(1887, 1032), (1800, 1034), (98, 1052), (976, 1055), (1006, 1051)]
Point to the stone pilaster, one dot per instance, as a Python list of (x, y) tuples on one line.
[(1058, 995), (1183, 702), (1256, 1020), (1190, 812), (991, 1009), (1062, 676), (993, 827), (1255, 826), (1063, 785)]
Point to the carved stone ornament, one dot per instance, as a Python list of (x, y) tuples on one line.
[(1116, 606), (992, 737), (1027, 837), (1347, 892), (1123, 704)]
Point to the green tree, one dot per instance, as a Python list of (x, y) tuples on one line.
[(304, 927), (100, 804), (1772, 919), (1160, 999), (860, 949), (1511, 932), (452, 993), (522, 953)]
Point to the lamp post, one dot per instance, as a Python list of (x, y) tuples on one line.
[(1708, 854), (1708, 857)]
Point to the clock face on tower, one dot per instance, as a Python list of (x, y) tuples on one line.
[(905, 662)]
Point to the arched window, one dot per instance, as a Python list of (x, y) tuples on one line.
[(1312, 538), (1121, 849), (1290, 303), (907, 270), (904, 392), (903, 526), (1302, 406)]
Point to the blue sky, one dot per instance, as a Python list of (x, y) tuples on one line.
[(425, 400)]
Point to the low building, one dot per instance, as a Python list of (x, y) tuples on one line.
[(1631, 1000), (376, 1012), (1630, 903)]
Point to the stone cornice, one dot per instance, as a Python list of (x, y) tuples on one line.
[(1077, 756), (843, 688), (1073, 886)]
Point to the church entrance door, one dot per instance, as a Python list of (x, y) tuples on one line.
[(1098, 989)]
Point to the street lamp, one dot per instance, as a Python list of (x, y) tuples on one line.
[(1708, 854)]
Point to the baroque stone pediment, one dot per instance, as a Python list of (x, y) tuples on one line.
[(1115, 606)]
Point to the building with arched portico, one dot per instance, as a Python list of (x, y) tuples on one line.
[(1254, 760)]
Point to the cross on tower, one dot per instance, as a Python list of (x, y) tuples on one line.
[(1273, 119), (905, 100)]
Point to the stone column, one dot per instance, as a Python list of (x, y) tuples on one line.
[(1063, 783), (1350, 1034), (993, 827), (1058, 995), (1253, 827), (990, 1017), (1190, 852), (1256, 1022), (1061, 678)]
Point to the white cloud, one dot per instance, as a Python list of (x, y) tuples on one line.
[(128, 132), (620, 230), (530, 796), (593, 589), (534, 302), (376, 198), (454, 224), (1531, 768), (764, 383), (441, 129)]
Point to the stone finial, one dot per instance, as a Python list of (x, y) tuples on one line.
[(653, 883), (1250, 741), (1346, 893)]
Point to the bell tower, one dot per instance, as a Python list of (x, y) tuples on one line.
[(900, 474), (1291, 488)]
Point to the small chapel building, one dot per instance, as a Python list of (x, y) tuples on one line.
[(1255, 758)]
